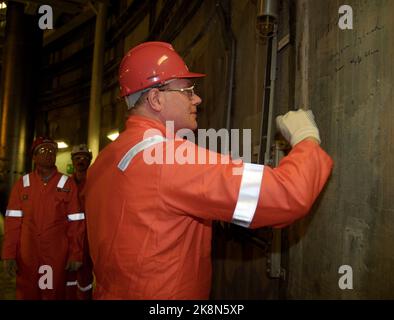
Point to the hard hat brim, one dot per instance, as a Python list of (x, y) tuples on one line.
[(189, 75)]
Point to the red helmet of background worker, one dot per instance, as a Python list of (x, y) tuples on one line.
[(40, 141), (148, 65)]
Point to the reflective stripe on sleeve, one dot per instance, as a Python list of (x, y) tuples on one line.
[(144, 144), (76, 216), (26, 181), (71, 283), (84, 289), (14, 213), (62, 181), (248, 196), (75, 283)]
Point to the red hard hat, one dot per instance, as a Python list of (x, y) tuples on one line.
[(42, 140), (149, 64)]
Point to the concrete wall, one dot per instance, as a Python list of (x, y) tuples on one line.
[(346, 77)]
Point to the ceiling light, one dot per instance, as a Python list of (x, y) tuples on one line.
[(113, 135), (62, 145)]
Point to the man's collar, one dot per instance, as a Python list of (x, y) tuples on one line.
[(145, 122)]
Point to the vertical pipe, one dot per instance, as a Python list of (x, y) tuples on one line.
[(267, 23), (302, 75), (274, 50), (230, 85), (275, 269), (97, 80), (10, 100), (231, 47), (23, 40), (265, 100)]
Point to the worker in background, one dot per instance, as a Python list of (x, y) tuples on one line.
[(79, 284), (149, 223), (44, 228)]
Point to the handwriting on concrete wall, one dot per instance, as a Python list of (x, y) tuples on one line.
[(344, 57)]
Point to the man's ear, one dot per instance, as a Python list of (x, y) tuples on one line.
[(155, 99)]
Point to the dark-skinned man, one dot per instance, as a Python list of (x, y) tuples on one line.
[(79, 284), (44, 228)]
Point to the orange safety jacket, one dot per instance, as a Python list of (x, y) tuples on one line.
[(81, 189), (44, 226), (149, 224), (80, 282)]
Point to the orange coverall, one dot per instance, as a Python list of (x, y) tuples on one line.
[(44, 225), (149, 225), (80, 282)]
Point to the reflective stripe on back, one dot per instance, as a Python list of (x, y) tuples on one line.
[(144, 144), (26, 181)]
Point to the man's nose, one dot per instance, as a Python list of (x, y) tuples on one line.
[(196, 100)]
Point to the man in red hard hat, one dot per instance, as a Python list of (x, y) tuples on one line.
[(44, 228), (149, 223), (80, 282)]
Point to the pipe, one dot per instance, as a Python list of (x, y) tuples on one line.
[(230, 43), (268, 8), (267, 16), (18, 93), (267, 155), (230, 85), (267, 24), (97, 80)]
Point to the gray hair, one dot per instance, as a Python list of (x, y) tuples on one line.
[(133, 99)]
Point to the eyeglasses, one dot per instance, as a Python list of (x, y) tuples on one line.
[(189, 92), (43, 150)]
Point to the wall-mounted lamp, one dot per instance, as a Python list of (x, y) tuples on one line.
[(113, 135), (3, 5), (62, 145), (267, 16)]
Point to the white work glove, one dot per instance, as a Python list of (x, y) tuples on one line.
[(296, 126)]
